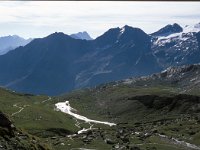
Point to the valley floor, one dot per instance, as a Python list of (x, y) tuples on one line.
[(140, 125)]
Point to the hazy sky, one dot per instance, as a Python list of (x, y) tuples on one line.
[(38, 19)]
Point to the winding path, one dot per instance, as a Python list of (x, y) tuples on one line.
[(20, 109)]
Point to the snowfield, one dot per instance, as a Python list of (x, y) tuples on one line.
[(66, 108)]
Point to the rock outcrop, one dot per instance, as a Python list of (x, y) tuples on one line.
[(12, 138)]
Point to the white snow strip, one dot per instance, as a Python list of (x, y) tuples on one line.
[(66, 108), (137, 61), (85, 130), (122, 30), (193, 79)]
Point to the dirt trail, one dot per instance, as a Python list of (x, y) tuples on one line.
[(20, 109)]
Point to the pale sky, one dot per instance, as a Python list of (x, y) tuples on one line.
[(38, 19)]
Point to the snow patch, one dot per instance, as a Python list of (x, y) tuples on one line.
[(122, 30), (182, 36), (66, 108)]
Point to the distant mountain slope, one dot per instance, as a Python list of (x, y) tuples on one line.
[(8, 43), (81, 35), (42, 65), (120, 53), (186, 78), (58, 63)]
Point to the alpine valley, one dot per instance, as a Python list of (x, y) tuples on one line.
[(124, 90)]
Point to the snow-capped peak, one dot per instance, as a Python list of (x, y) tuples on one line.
[(187, 29)]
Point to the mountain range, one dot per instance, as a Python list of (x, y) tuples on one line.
[(8, 43), (59, 63)]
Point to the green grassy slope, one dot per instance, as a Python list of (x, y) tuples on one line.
[(37, 116)]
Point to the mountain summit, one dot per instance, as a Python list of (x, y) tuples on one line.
[(81, 35), (126, 34), (168, 29)]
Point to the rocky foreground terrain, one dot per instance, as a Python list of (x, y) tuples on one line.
[(13, 138)]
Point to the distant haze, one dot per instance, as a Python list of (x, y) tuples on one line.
[(31, 19)]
